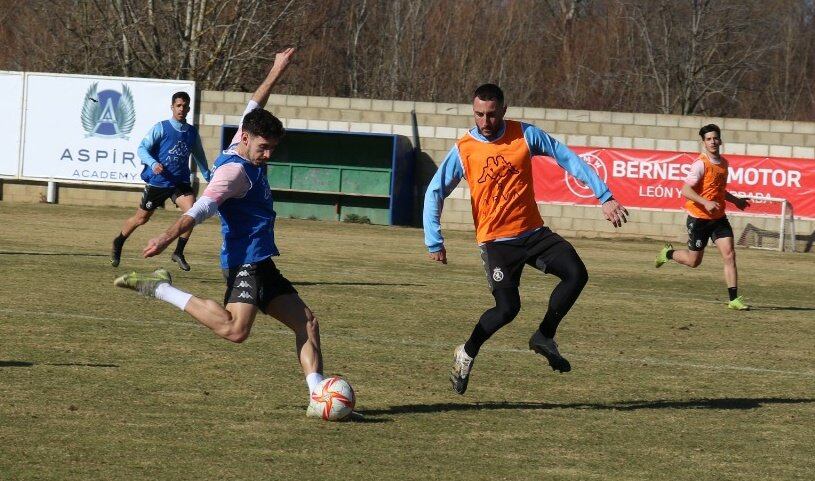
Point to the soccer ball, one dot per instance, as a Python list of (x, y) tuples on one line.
[(333, 400)]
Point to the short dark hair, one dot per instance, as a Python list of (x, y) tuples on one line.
[(181, 95), (710, 128), (261, 122), (490, 92)]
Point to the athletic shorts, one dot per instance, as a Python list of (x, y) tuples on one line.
[(504, 261), (700, 230), (255, 284), (153, 196)]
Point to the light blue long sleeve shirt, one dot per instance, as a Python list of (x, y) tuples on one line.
[(451, 172), (153, 139)]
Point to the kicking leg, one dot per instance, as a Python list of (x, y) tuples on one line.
[(232, 323)]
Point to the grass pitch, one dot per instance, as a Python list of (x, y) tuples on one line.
[(667, 384)]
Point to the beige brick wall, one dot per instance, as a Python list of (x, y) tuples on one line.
[(441, 123)]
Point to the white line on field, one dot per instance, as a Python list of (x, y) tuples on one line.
[(596, 357)]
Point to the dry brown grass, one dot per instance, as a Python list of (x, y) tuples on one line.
[(98, 383)]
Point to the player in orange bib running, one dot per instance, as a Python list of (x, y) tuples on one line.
[(495, 158), (706, 190)]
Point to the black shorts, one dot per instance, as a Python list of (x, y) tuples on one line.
[(255, 284), (504, 261), (153, 196), (700, 230)]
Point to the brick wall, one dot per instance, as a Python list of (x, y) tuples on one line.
[(441, 123)]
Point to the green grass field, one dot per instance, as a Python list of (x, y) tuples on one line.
[(98, 383)]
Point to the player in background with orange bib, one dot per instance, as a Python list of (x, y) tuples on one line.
[(706, 190), (495, 158)]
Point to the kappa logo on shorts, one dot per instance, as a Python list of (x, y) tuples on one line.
[(243, 284), (242, 274), (245, 295), (497, 274)]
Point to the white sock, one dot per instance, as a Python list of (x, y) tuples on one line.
[(174, 296), (313, 380)]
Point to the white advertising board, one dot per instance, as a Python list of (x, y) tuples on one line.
[(11, 117), (88, 128)]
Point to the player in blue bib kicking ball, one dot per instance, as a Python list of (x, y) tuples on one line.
[(165, 152), (240, 193)]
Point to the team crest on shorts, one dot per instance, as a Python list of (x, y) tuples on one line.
[(497, 274)]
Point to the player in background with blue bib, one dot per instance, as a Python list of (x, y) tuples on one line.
[(240, 193), (165, 152)]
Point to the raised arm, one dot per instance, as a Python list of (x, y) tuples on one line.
[(261, 95), (541, 143), (281, 62), (444, 181)]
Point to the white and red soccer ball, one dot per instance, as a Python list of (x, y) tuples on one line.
[(332, 400)]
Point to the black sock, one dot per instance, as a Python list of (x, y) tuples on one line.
[(179, 248), (733, 292), (119, 241), (670, 254)]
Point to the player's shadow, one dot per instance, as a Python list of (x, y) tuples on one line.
[(704, 403), (79, 254), (16, 364), (320, 283), (780, 308), (302, 283), (59, 364)]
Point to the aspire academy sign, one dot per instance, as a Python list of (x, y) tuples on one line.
[(88, 128)]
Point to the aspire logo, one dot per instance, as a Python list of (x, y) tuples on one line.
[(108, 114)]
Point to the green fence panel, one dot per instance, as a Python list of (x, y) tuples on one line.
[(371, 182), (315, 178), (279, 176)]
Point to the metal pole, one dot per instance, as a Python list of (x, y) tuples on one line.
[(781, 230), (51, 197)]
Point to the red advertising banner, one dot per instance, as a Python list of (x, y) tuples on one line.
[(653, 179)]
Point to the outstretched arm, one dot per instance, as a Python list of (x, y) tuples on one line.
[(444, 181), (541, 143), (156, 245), (228, 181)]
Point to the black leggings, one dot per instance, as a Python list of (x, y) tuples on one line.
[(563, 263)]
